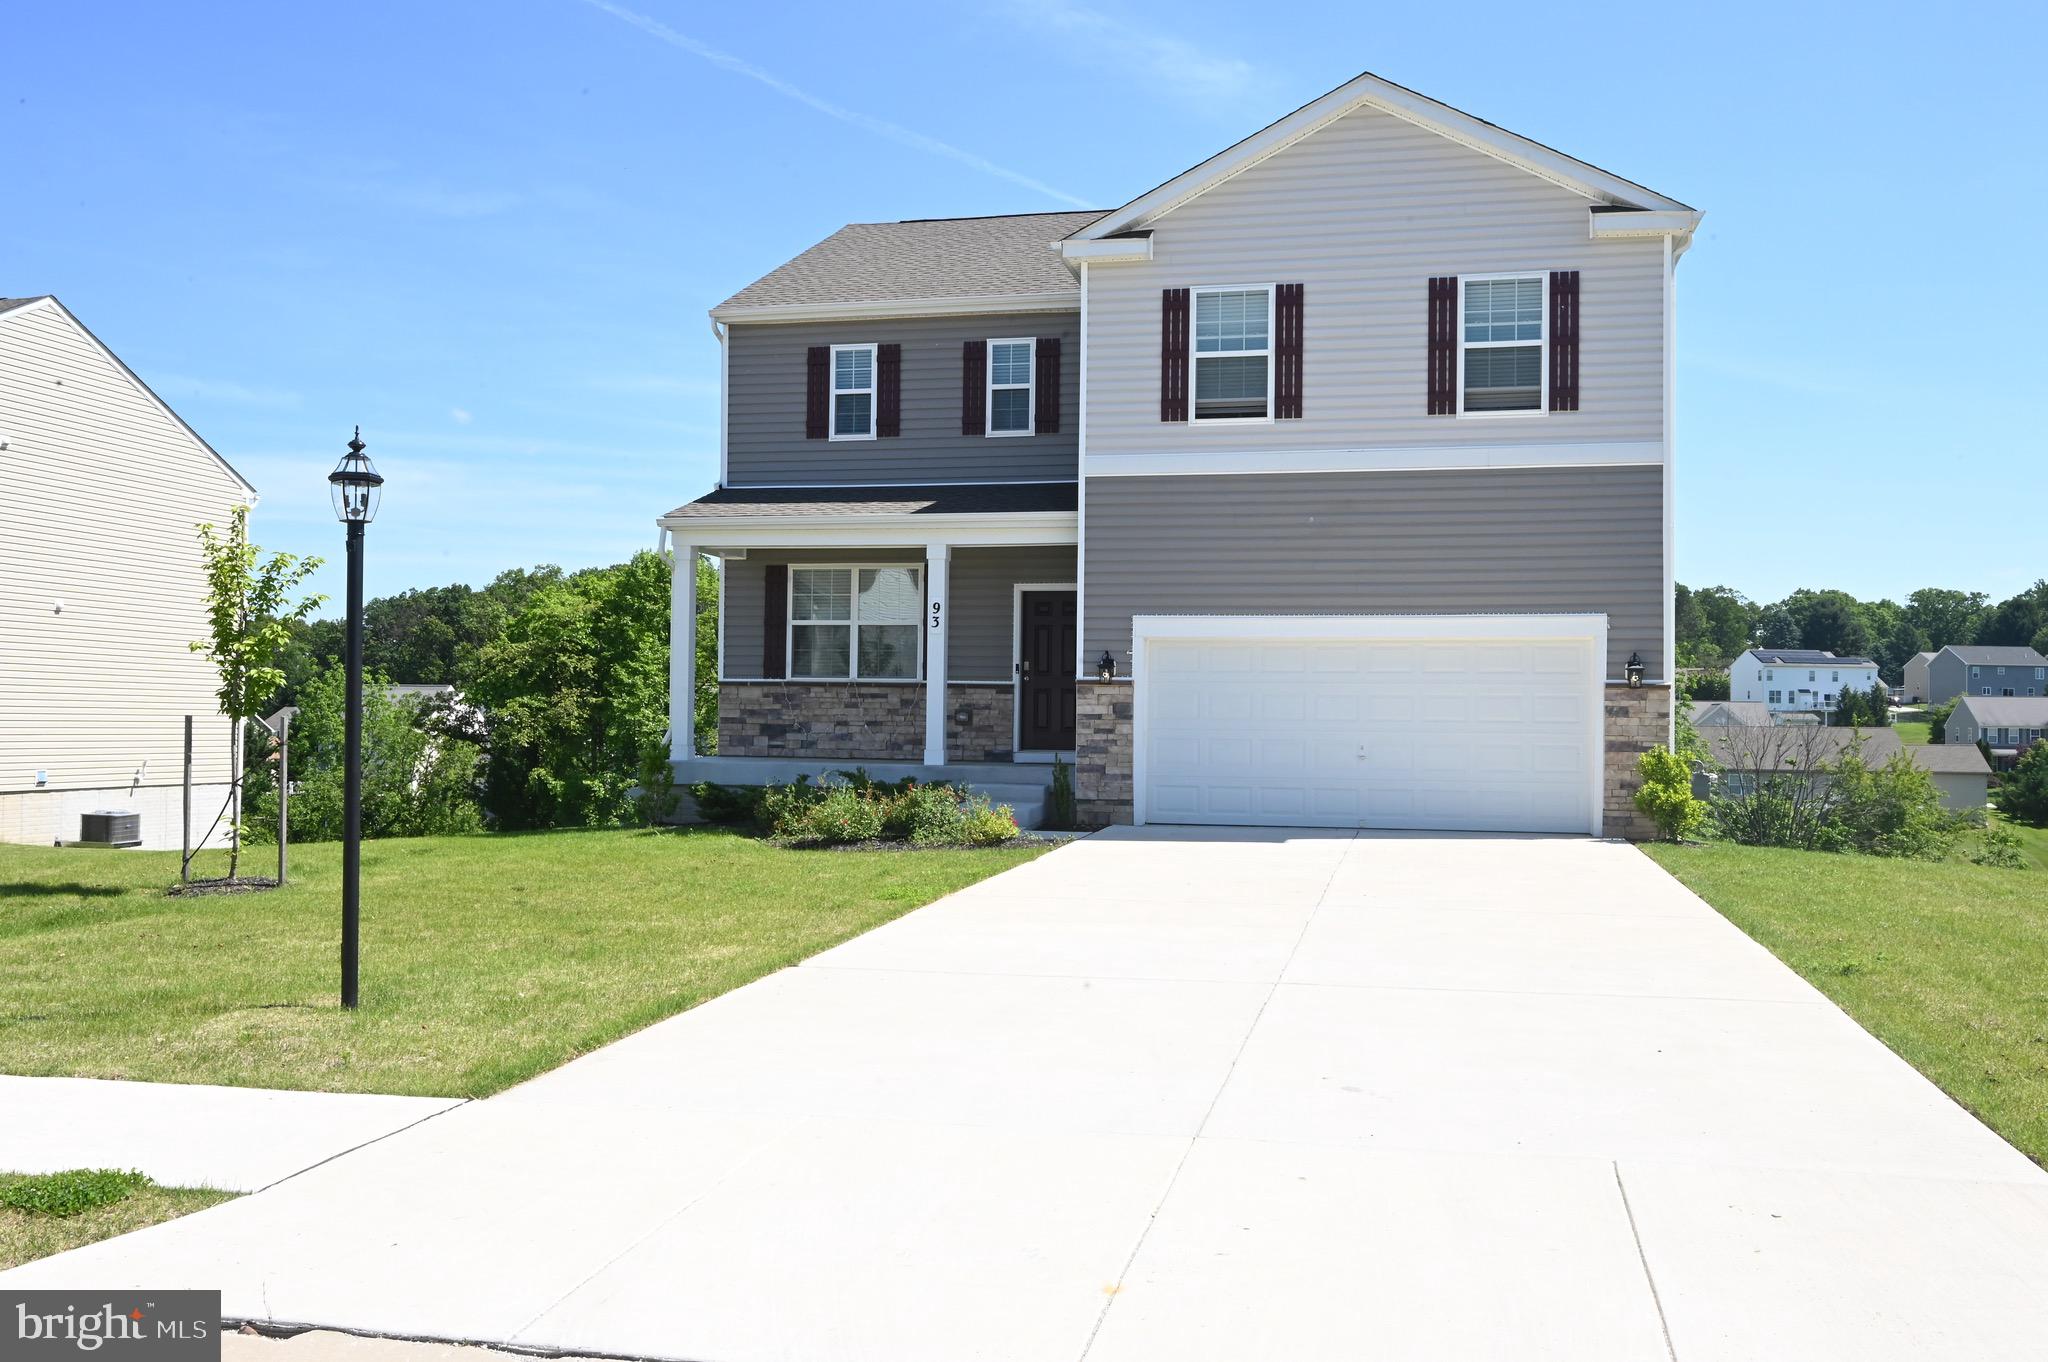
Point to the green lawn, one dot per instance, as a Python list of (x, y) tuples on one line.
[(25, 1235), (1912, 731), (485, 960), (1946, 963)]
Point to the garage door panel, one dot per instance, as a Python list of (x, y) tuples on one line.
[(1479, 734)]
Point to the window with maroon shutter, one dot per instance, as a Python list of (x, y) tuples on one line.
[(817, 390), (974, 387), (775, 621), (1564, 340), (1443, 346), (1287, 352), (888, 390), (1046, 419), (1173, 354)]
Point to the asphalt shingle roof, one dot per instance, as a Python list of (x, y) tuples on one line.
[(1990, 656), (1744, 747), (9, 304), (949, 499), (893, 262), (1806, 657), (1949, 759), (2008, 711)]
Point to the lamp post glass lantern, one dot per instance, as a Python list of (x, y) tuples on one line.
[(1105, 666), (1633, 670), (357, 488)]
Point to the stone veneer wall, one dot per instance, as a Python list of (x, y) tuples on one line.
[(979, 723), (1102, 753), (853, 721), (1637, 720)]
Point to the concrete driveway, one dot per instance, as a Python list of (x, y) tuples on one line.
[(1194, 1095)]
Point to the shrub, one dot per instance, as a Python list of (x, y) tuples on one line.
[(739, 804), (72, 1192), (1060, 803), (840, 815), (655, 798), (1666, 797), (2023, 793), (782, 807), (1890, 810), (1938, 717), (2000, 848), (932, 815), (984, 826)]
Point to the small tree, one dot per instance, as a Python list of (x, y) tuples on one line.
[(2023, 793), (1937, 719), (250, 618), (1877, 705), (1666, 797), (1848, 711)]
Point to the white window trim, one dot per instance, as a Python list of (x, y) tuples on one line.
[(834, 391), (1194, 386), (790, 623), (1542, 407), (991, 387)]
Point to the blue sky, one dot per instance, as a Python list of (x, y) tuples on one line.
[(488, 230)]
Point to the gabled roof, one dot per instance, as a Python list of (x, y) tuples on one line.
[(1755, 713), (1949, 759), (1995, 656), (2007, 711), (15, 307), (991, 262), (1370, 91), (1743, 747), (1805, 657)]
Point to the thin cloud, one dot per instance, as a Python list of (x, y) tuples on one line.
[(868, 122), (1167, 61), (460, 415)]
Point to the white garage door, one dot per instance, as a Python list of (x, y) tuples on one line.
[(1484, 734)]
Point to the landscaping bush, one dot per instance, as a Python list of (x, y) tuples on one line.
[(864, 810), (1666, 797), (840, 815), (932, 817), (1889, 810), (783, 806), (2000, 848), (1060, 804), (73, 1192), (732, 804), (984, 826), (2023, 792)]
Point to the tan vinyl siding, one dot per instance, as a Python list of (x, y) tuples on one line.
[(983, 580), (765, 406), (1448, 542), (101, 494), (1363, 213)]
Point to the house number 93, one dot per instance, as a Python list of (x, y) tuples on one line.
[(937, 607)]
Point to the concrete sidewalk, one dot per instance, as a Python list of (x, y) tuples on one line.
[(191, 1135), (1212, 1096)]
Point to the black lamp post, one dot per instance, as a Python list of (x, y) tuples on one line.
[(357, 487), (1105, 666), (1633, 670)]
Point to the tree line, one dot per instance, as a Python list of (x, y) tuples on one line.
[(1714, 624)]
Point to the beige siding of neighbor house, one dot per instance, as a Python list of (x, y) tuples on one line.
[(101, 588), (1364, 213)]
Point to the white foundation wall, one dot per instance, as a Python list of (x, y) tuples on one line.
[(46, 817)]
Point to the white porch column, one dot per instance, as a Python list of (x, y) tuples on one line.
[(682, 652), (937, 560)]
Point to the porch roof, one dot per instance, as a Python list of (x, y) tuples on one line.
[(949, 513)]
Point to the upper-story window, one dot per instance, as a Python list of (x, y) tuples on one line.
[(1010, 379), (1233, 354), (1834, 676), (854, 623), (1500, 346), (1976, 671), (853, 392)]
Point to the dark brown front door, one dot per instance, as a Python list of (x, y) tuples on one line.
[(1045, 689)]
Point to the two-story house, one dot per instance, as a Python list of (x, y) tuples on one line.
[(1965, 669), (1326, 483), (102, 589), (1797, 680)]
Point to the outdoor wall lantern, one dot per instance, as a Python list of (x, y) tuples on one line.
[(1105, 669), (1633, 669), (357, 487)]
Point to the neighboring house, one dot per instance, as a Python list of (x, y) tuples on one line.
[(1747, 753), (1797, 680), (101, 588), (1993, 671), (1716, 713), (1915, 677), (1328, 482), (2008, 725)]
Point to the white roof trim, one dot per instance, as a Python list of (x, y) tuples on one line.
[(897, 530), (1115, 251), (1645, 222), (50, 301), (1370, 91), (902, 307)]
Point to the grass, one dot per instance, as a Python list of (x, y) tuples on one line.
[(2033, 845), (1946, 963), (31, 1234), (1912, 732), (485, 960)]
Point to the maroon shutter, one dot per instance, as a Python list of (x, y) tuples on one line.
[(1173, 354), (888, 390), (1564, 340), (817, 391), (974, 388), (775, 620), (1287, 353), (1443, 346), (1045, 419)]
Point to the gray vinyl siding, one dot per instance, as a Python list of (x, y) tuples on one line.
[(1949, 676), (765, 405), (1363, 213), (982, 584), (1443, 542)]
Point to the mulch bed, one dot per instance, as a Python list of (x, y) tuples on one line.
[(240, 884)]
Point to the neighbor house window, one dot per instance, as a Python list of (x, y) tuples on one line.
[(1501, 354), (853, 392), (1009, 386), (1777, 697), (854, 623), (1983, 690), (1233, 353)]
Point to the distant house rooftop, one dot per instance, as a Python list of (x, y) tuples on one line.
[(2008, 711), (1993, 656), (1805, 657), (1754, 712)]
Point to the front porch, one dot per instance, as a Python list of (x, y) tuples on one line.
[(915, 631)]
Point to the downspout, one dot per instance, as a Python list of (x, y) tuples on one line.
[(721, 331), (1670, 484)]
